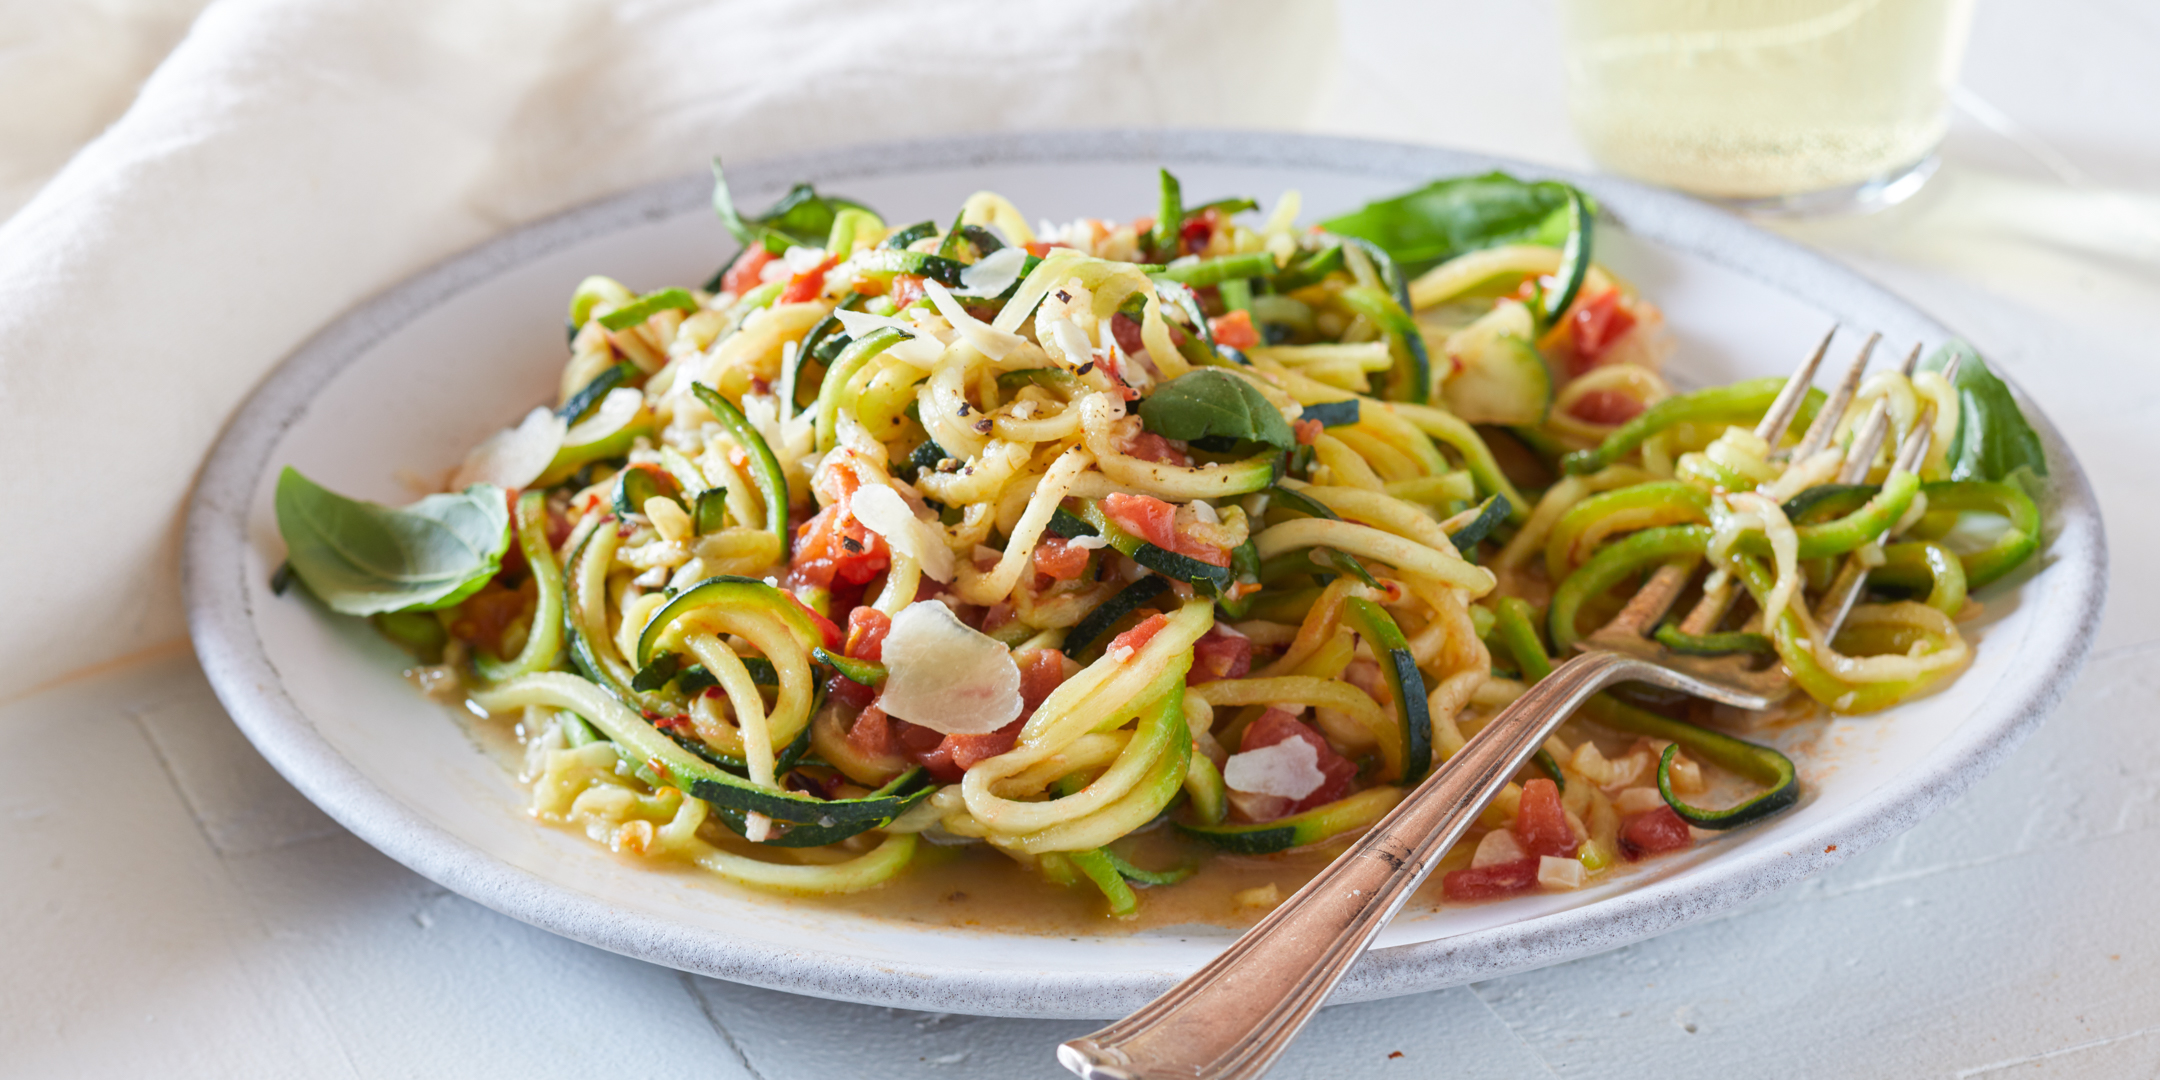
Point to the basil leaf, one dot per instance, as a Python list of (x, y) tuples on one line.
[(802, 216), (1993, 440), (1446, 218), (1213, 402), (362, 558)]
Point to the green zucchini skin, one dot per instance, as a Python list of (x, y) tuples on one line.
[(1333, 413), (1574, 260), (590, 394), (1185, 568), (909, 788), (1411, 710), (1490, 517), (732, 592), (1298, 830), (861, 672), (636, 484), (884, 262), (1298, 502), (1123, 603), (899, 241), (659, 761), (764, 467), (1826, 501)]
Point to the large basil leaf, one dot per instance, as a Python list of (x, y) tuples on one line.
[(1993, 440), (362, 558), (1212, 403), (1446, 218), (802, 216)]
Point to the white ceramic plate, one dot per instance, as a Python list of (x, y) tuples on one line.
[(414, 377)]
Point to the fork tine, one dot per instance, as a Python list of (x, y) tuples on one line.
[(1826, 421), (1860, 457), (1650, 602), (1779, 417)]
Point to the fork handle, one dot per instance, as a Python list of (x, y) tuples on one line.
[(1232, 1018)]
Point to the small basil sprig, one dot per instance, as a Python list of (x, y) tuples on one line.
[(802, 216), (1993, 441), (1446, 218), (362, 558), (1212, 403)]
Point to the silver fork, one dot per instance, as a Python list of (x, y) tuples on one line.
[(1232, 1018)]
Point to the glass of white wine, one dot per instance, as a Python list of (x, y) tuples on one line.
[(1771, 106)]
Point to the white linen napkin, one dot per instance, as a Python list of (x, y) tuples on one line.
[(290, 158)]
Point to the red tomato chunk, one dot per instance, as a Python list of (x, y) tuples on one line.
[(1221, 653), (1277, 725), (1541, 824), (1654, 833), (745, 274), (1488, 882)]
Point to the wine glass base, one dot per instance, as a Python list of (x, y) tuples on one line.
[(1866, 197)]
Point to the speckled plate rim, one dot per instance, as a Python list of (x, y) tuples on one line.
[(222, 626)]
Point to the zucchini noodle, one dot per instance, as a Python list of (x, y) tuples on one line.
[(1030, 540)]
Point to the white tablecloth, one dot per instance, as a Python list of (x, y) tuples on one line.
[(173, 906)]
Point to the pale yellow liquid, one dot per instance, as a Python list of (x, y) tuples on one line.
[(1752, 99)]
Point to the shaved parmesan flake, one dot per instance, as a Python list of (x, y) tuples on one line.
[(802, 259), (513, 457), (1072, 341), (1088, 543), (884, 512), (987, 340), (946, 676), (862, 324), (994, 273), (1289, 769)]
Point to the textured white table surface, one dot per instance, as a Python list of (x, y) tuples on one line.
[(171, 907)]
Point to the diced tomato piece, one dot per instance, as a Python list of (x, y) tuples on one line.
[(1605, 407), (1148, 446), (1195, 232), (1595, 325), (1489, 882), (484, 615), (834, 546), (1235, 330), (1541, 824), (745, 274), (872, 732), (1060, 559), (1221, 653), (1277, 725), (1144, 516), (1126, 331), (1041, 671), (1654, 833), (866, 630), (1308, 431), (825, 626), (849, 692), (808, 284), (906, 289), (956, 754), (1137, 638)]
